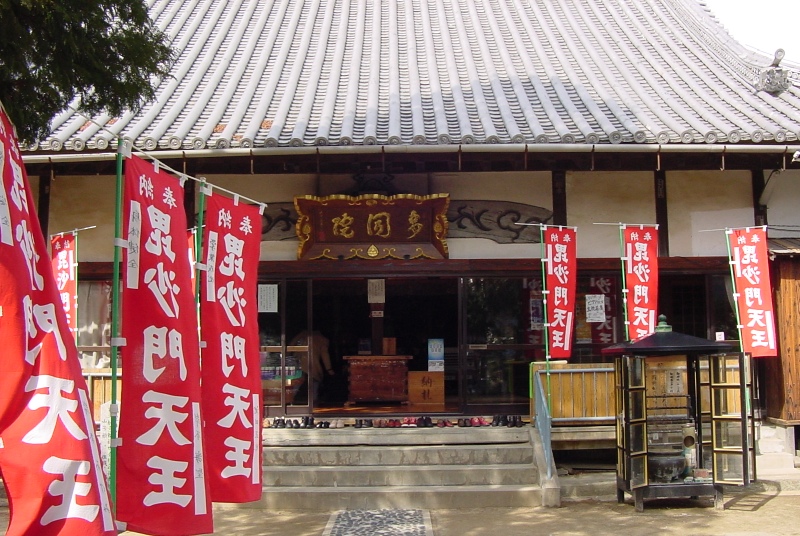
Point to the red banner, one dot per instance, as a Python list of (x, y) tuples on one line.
[(640, 260), (752, 290), (561, 275), (161, 473), (49, 453), (64, 254), (231, 368)]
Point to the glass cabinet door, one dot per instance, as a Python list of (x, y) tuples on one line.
[(731, 419), (636, 417)]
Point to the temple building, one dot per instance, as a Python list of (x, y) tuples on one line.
[(440, 128)]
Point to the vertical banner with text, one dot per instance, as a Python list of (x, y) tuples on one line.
[(752, 290), (231, 368), (162, 487), (640, 274), (49, 453), (560, 277), (64, 255)]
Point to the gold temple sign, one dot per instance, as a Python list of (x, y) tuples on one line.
[(372, 227)]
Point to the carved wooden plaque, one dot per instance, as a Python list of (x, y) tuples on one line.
[(372, 227)]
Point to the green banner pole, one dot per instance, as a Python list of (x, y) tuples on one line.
[(546, 323), (198, 241), (728, 233), (735, 291), (115, 325)]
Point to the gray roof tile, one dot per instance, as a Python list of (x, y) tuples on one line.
[(254, 73)]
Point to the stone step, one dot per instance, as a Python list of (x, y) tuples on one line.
[(393, 455), (331, 499), (485, 435), (443, 475)]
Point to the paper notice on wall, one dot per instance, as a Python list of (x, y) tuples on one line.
[(376, 291), (595, 308), (267, 298)]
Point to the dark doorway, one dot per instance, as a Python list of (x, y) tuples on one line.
[(416, 309)]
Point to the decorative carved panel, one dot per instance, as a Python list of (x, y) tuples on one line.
[(467, 218), (372, 227)]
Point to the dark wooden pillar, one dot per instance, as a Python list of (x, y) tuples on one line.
[(662, 217), (376, 314), (559, 180), (759, 210), (45, 181)]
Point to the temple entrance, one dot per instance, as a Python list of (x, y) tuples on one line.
[(345, 325), (370, 354), (414, 311)]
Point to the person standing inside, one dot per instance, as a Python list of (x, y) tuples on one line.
[(320, 359)]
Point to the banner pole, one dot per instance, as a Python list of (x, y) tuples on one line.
[(739, 326), (198, 257), (734, 290), (198, 242), (115, 324), (626, 323), (546, 323)]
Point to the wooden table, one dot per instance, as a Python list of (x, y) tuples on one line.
[(377, 378)]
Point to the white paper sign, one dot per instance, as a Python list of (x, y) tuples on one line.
[(376, 291), (595, 308), (436, 365), (267, 298)]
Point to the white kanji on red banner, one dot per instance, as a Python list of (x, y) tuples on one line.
[(231, 368), (752, 290), (640, 260), (561, 275), (63, 252), (49, 455), (162, 487)]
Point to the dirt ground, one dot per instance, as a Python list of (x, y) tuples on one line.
[(752, 514)]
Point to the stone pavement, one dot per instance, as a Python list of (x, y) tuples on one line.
[(769, 511), (770, 506)]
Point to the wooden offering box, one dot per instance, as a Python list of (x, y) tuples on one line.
[(377, 378)]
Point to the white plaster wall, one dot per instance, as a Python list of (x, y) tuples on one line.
[(77, 202), (267, 188), (697, 202), (532, 188), (782, 198), (702, 202), (607, 197)]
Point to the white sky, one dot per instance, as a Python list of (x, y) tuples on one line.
[(766, 25)]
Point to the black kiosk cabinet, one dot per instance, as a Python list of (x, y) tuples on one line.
[(684, 418)]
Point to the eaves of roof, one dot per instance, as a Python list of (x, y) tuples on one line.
[(783, 246), (427, 74)]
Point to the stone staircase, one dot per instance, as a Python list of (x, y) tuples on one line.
[(377, 468)]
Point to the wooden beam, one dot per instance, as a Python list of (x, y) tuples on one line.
[(759, 210), (45, 182), (662, 215), (559, 179)]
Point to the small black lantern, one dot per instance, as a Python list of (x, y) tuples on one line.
[(684, 417)]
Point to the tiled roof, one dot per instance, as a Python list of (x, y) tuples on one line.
[(290, 73), (789, 246)]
